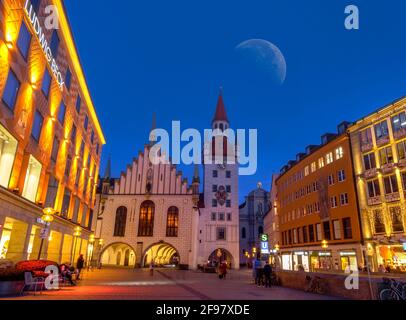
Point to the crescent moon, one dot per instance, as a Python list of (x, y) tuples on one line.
[(266, 56)]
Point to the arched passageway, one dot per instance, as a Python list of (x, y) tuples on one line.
[(118, 254), (219, 256), (162, 254)]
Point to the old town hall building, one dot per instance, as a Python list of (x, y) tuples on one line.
[(152, 213)]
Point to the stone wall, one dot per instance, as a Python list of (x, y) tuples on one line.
[(334, 284)]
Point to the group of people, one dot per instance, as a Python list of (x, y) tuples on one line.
[(262, 273), (67, 271)]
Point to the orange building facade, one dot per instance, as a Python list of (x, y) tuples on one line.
[(318, 211), (50, 136)]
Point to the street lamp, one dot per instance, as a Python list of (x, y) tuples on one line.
[(47, 217), (76, 235)]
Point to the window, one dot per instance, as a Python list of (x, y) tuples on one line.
[(373, 188), (386, 155), (391, 184), (243, 233), (396, 217), (331, 180), (333, 202), (54, 44), (221, 233), (344, 199), (228, 174), (228, 216), (97, 149), (295, 236), (11, 90), (92, 137), (51, 192), (318, 232), (228, 203), (339, 153), (37, 126), (77, 177), (86, 123), (46, 83), (24, 40), (78, 104), (327, 231), (337, 229), (347, 228), (61, 113), (214, 203), (213, 216), (215, 173), (228, 189), (341, 175), (399, 122), (401, 148), (120, 223), (8, 149), (381, 130), (221, 216), (305, 239), (321, 163), (55, 149), (32, 179), (369, 161), (68, 78), (379, 223), (66, 203), (214, 188), (311, 233), (68, 166), (172, 223), (366, 137), (73, 134), (404, 180), (329, 158), (313, 167), (146, 222), (82, 148), (306, 171)]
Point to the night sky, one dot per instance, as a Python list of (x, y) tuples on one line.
[(171, 57)]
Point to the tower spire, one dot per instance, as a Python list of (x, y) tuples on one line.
[(221, 114), (107, 171)]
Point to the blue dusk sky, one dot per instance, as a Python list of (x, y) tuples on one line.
[(171, 57)]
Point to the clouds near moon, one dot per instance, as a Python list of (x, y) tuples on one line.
[(262, 58)]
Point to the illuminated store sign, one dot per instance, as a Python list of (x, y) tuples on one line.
[(33, 18), (264, 244)]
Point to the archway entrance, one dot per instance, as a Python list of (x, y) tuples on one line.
[(163, 255), (219, 256), (118, 255)]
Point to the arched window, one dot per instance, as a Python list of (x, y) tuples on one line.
[(243, 233), (172, 222), (121, 220), (146, 223)]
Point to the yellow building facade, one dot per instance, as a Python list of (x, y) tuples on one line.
[(379, 153), (50, 136)]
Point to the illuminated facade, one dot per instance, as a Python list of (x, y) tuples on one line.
[(50, 136), (317, 207), (379, 151)]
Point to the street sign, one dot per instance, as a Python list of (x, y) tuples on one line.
[(44, 233), (264, 244)]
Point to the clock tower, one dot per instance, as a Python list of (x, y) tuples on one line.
[(219, 216)]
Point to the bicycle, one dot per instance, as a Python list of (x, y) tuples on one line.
[(395, 290), (315, 285)]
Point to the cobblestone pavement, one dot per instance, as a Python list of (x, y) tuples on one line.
[(137, 284)]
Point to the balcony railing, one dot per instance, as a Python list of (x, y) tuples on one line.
[(402, 163), (401, 133), (390, 197), (370, 173), (365, 147), (387, 168), (382, 141), (374, 200)]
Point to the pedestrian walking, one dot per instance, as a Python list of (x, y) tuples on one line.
[(257, 271), (223, 271), (267, 275), (79, 265)]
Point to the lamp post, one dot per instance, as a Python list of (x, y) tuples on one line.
[(91, 241), (324, 245), (76, 235), (47, 217)]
